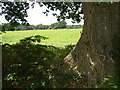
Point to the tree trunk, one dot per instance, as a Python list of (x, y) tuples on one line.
[(97, 52)]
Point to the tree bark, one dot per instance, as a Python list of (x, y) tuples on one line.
[(96, 54)]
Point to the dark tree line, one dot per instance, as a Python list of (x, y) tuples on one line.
[(57, 25)]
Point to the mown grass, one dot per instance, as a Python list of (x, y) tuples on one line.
[(58, 38)]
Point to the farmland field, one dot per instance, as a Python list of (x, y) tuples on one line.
[(58, 38)]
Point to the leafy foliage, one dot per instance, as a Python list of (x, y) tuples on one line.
[(58, 25), (42, 26), (16, 12), (110, 82), (67, 10), (74, 26), (30, 65), (6, 27)]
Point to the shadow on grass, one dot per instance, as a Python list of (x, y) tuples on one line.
[(30, 65)]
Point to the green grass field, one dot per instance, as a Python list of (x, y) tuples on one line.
[(58, 38)]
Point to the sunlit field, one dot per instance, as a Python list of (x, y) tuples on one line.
[(58, 38)]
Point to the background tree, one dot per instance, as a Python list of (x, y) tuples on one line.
[(74, 26), (61, 25), (96, 55), (40, 26), (58, 25), (7, 27), (15, 13)]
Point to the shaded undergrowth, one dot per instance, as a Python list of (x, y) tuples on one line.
[(28, 64), (110, 82)]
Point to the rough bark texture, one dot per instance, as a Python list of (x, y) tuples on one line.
[(97, 52)]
